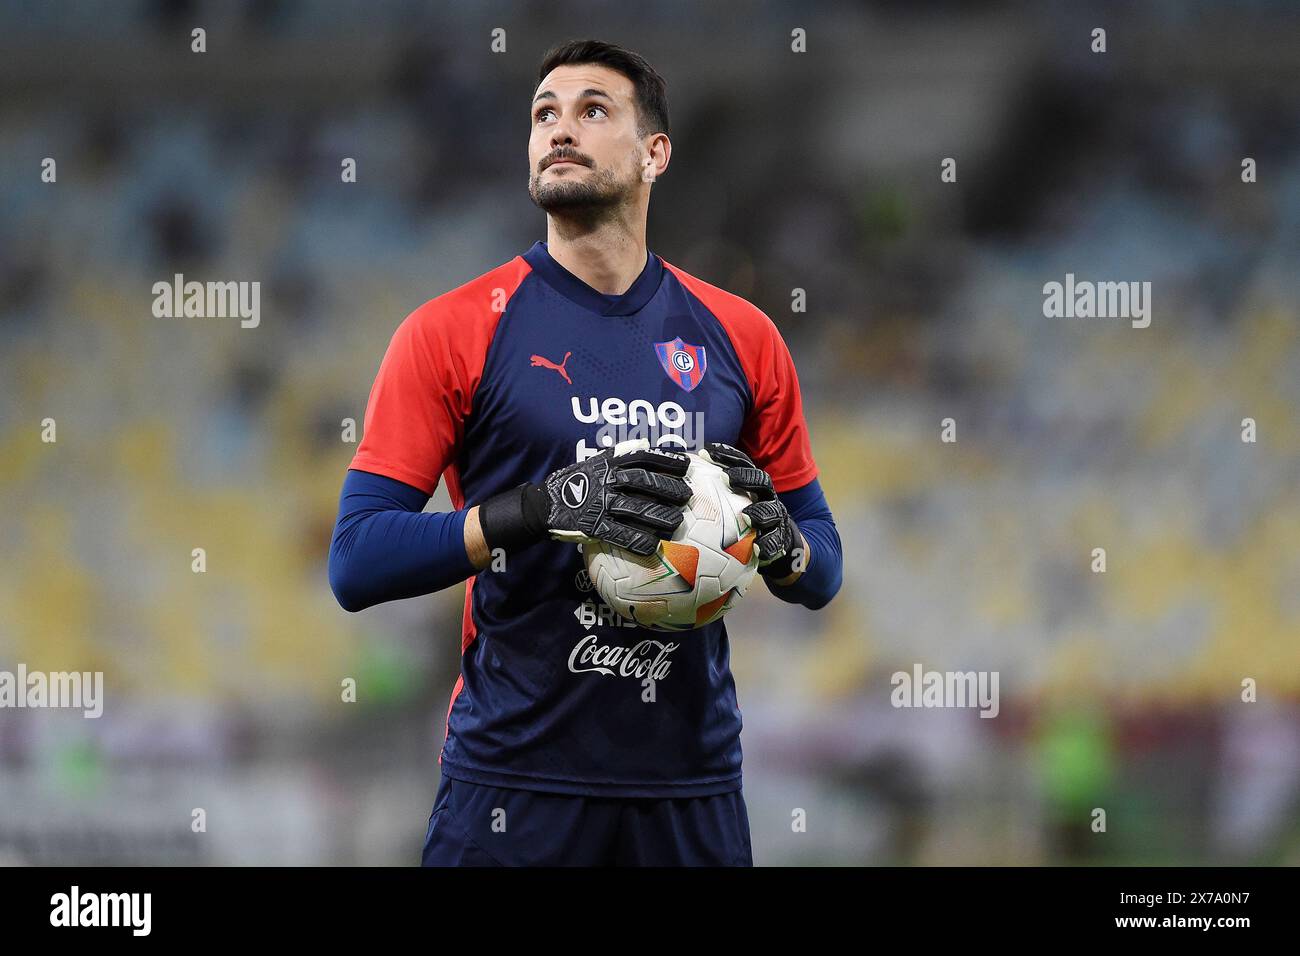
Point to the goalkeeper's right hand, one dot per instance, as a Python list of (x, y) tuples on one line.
[(629, 496)]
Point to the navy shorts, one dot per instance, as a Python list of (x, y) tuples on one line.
[(477, 825)]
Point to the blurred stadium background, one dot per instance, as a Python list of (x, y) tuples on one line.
[(817, 171)]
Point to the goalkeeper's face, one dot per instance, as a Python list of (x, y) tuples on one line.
[(584, 152)]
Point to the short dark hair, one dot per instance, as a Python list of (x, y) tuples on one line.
[(651, 90)]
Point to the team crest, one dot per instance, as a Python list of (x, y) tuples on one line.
[(685, 364)]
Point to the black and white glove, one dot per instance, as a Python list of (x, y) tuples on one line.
[(630, 496), (780, 546)]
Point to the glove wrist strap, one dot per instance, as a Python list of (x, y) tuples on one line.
[(779, 569), (514, 519)]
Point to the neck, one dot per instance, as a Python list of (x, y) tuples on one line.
[(608, 256)]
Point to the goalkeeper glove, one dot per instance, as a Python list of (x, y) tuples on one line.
[(629, 496), (780, 546)]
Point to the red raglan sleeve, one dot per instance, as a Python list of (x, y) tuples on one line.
[(424, 392), (775, 433), (419, 402)]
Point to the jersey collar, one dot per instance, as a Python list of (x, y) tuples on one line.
[(571, 287)]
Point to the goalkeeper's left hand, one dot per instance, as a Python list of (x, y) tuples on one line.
[(781, 549)]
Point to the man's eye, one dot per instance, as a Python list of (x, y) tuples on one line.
[(601, 108), (541, 114)]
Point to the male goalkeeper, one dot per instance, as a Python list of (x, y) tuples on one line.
[(513, 389)]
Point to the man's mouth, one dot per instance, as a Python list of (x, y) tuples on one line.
[(563, 162)]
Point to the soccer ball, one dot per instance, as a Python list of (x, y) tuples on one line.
[(694, 577)]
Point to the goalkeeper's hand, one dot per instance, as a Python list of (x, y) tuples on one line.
[(780, 546), (630, 496)]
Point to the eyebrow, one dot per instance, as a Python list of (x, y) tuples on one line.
[(590, 91)]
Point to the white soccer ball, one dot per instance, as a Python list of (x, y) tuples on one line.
[(696, 576)]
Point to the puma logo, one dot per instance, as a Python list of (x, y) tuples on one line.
[(541, 361)]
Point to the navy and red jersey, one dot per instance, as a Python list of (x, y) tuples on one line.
[(520, 372)]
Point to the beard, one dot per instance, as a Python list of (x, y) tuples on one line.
[(592, 198)]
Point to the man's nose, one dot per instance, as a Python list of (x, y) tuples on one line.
[(562, 135)]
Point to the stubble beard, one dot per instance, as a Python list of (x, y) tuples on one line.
[(596, 197)]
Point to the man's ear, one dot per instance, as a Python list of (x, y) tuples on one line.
[(648, 173)]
